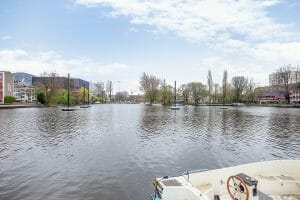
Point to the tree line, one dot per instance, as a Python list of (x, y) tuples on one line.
[(239, 89), (49, 92)]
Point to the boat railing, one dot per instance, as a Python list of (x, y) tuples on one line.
[(187, 173)]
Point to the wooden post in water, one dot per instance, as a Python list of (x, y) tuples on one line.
[(175, 94), (68, 98), (88, 94), (84, 94)]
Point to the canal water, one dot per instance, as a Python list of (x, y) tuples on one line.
[(114, 152)]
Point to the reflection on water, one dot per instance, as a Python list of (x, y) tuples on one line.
[(115, 151)]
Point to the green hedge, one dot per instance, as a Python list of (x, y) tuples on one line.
[(9, 99)]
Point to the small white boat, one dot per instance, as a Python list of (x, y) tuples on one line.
[(148, 103), (175, 107), (237, 104), (277, 179)]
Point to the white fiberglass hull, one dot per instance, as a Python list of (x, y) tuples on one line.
[(277, 179)]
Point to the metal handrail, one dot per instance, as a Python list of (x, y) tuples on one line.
[(192, 172)]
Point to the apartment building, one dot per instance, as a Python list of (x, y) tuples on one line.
[(279, 78), (6, 85)]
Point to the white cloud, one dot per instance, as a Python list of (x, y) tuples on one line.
[(18, 60), (5, 37), (239, 35), (133, 29), (288, 52), (12, 54), (199, 20)]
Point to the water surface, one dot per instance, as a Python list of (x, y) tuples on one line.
[(114, 152)]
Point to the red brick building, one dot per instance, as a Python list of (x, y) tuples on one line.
[(6, 85)]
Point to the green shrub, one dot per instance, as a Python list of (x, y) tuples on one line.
[(41, 98), (9, 99)]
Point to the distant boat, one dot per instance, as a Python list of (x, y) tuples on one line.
[(237, 104), (267, 180), (175, 105), (68, 98), (223, 108), (148, 103)]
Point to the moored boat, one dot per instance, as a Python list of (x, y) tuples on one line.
[(277, 179), (175, 107), (237, 104), (148, 103)]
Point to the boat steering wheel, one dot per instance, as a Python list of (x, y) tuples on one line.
[(237, 188)]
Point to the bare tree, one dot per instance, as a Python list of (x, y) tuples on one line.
[(51, 83), (99, 90), (165, 93), (250, 91), (224, 86), (298, 75), (239, 84), (122, 96), (185, 93), (150, 86), (283, 76), (216, 89), (210, 85), (197, 91)]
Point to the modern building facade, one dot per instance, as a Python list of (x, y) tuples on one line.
[(6, 85), (24, 93), (279, 78), (50, 82), (24, 78), (78, 83), (60, 82)]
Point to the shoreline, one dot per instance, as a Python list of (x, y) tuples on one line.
[(14, 106), (258, 105)]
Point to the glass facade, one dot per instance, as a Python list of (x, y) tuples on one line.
[(21, 77)]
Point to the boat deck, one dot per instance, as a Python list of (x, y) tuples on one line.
[(281, 178), (286, 197), (262, 197), (272, 181), (278, 179)]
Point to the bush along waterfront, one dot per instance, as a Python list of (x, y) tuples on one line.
[(9, 99), (60, 96)]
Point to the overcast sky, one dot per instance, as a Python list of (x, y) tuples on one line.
[(175, 40)]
